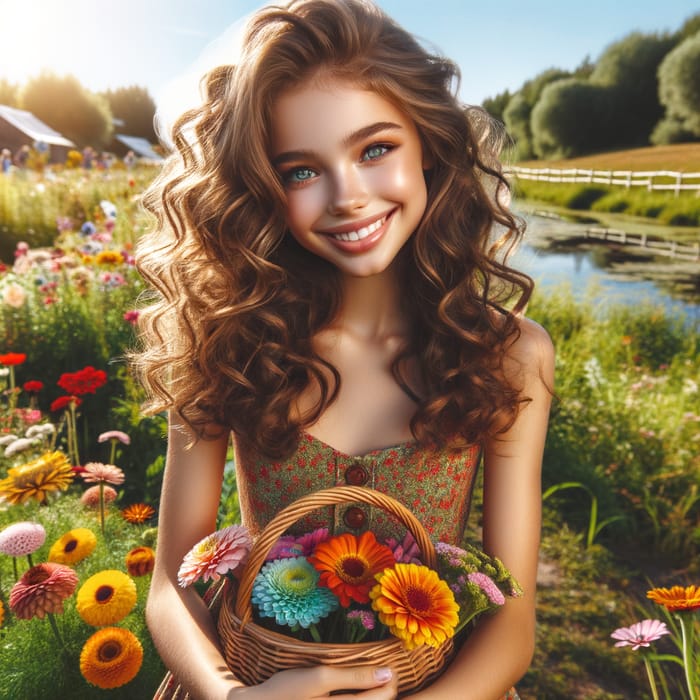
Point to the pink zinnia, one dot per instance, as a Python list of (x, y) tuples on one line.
[(96, 472), (19, 539), (91, 496), (115, 435), (493, 592), (42, 590), (406, 551), (640, 634), (223, 551)]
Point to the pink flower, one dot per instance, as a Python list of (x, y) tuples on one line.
[(493, 592), (96, 472), (42, 590), (289, 546), (640, 634), (366, 617), (22, 538), (114, 435), (406, 551), (222, 551), (91, 496), (131, 317)]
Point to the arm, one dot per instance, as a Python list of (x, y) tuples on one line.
[(179, 621), (500, 649)]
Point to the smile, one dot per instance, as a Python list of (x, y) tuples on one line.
[(361, 232)]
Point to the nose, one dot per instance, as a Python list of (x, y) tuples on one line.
[(348, 191)]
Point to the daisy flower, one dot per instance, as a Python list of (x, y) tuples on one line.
[(42, 590), (111, 657), (640, 634), (217, 554), (106, 598)]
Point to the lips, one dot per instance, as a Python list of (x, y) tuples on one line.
[(360, 235)]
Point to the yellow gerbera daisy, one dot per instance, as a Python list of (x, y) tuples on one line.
[(111, 657), (109, 257), (676, 598), (50, 472), (415, 604), (106, 598), (73, 547)]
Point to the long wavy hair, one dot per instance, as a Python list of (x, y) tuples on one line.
[(227, 341)]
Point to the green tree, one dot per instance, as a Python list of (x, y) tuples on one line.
[(517, 113), (571, 115), (495, 106), (628, 69), (679, 91), (135, 107), (66, 106), (8, 93), (689, 28)]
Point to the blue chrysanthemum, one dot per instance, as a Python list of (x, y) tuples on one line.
[(287, 589)]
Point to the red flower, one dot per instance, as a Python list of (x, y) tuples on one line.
[(63, 402), (131, 317), (84, 381), (33, 386), (12, 358)]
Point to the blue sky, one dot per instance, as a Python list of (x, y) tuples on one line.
[(498, 43)]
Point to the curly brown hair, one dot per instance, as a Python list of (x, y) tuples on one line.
[(228, 339)]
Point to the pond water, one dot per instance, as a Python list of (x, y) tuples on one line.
[(592, 271)]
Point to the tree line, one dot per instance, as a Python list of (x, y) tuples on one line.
[(644, 89), (83, 116)]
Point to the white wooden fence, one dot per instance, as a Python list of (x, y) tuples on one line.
[(672, 249), (652, 180)]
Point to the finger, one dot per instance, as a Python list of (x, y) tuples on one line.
[(352, 678)]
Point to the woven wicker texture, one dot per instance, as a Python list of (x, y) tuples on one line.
[(254, 653)]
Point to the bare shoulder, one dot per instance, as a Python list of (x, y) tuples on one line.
[(531, 353)]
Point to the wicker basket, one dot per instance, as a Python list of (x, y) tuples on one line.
[(254, 653)]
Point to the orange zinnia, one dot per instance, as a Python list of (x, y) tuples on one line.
[(416, 605), (348, 565), (676, 598)]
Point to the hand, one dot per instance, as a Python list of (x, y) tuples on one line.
[(366, 682)]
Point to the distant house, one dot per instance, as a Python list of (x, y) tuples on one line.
[(141, 147), (19, 128)]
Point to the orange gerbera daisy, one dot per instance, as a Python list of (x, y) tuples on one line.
[(137, 513), (415, 604), (348, 564), (140, 561), (111, 657), (676, 598)]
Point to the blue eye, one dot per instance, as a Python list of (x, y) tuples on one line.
[(375, 151), (296, 176)]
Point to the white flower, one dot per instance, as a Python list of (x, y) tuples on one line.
[(19, 445), (14, 295), (4, 372), (689, 386), (42, 430), (7, 439), (593, 373)]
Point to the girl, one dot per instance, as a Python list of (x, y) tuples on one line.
[(330, 294)]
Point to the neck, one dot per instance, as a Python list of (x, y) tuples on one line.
[(371, 306)]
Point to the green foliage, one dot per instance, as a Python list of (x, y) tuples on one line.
[(626, 412), (516, 114), (136, 108), (495, 106), (66, 106), (679, 91), (33, 664)]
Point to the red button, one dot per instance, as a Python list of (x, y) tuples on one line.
[(356, 475), (355, 517)]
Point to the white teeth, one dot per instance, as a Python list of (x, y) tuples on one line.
[(361, 233)]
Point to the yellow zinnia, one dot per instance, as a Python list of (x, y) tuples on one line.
[(50, 472), (415, 604), (111, 657), (106, 598), (73, 547), (109, 257)]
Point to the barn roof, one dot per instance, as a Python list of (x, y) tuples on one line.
[(34, 128), (140, 146)]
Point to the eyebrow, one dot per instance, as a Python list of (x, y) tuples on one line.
[(350, 140)]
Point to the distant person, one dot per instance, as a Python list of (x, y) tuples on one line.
[(6, 160), (22, 156), (130, 160), (88, 157)]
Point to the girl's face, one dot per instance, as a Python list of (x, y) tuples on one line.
[(352, 167)]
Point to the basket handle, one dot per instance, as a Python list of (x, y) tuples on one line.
[(306, 504)]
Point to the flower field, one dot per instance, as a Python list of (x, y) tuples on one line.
[(80, 469)]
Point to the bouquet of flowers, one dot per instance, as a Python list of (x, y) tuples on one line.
[(338, 591)]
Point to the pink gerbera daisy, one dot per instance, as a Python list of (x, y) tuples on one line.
[(96, 472), (640, 634), (222, 551), (91, 496)]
